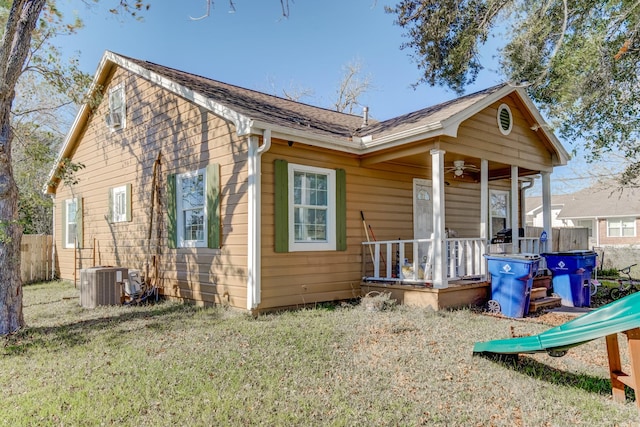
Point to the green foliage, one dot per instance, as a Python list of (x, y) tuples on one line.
[(445, 35), (66, 172), (579, 60)]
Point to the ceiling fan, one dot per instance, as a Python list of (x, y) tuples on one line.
[(460, 167)]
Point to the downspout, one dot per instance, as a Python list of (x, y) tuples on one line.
[(254, 193), (53, 238), (528, 183)]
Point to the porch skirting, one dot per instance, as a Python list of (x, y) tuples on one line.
[(458, 294)]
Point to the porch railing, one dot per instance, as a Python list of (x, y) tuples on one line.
[(412, 261)]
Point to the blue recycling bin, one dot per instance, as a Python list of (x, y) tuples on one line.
[(511, 281), (571, 275)]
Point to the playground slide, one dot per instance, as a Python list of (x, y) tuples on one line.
[(618, 316)]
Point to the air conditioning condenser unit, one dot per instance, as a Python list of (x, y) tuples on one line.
[(101, 286)]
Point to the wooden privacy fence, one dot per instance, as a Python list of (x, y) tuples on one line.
[(563, 239), (35, 261)]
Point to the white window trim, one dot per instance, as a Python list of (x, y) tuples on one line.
[(115, 192), (632, 220), (501, 108), (123, 112), (331, 243), (68, 202), (182, 242), (491, 216)]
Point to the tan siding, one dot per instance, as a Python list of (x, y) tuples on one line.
[(479, 136), (306, 277), (188, 138)]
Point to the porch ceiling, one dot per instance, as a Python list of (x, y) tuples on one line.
[(497, 170)]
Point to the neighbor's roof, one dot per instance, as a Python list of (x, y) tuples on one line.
[(598, 201)]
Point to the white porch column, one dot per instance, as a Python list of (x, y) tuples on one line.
[(484, 199), (484, 210), (546, 209), (439, 243), (515, 193)]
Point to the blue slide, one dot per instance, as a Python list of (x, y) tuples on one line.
[(617, 316)]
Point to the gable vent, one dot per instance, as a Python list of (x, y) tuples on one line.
[(505, 119)]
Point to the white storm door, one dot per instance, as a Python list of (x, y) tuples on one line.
[(423, 220)]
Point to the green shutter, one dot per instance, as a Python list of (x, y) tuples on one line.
[(341, 210), (64, 223), (172, 223), (79, 221), (213, 205), (110, 213), (128, 201), (281, 206)]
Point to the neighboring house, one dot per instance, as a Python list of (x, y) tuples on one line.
[(223, 194), (611, 215)]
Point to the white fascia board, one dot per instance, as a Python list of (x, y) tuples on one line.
[(309, 138), (452, 123), (564, 155), (79, 120), (240, 121), (371, 144)]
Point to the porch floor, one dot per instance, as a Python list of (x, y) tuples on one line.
[(461, 293)]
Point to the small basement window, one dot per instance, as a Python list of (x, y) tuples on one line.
[(505, 119)]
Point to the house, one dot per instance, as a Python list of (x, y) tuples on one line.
[(611, 215), (221, 194)]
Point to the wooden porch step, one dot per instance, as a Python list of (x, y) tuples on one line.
[(546, 302), (538, 293)]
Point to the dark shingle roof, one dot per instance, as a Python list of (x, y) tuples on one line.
[(291, 114), (261, 106)]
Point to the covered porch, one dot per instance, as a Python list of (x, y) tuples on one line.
[(441, 268)]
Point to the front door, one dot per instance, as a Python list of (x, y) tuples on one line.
[(423, 220)]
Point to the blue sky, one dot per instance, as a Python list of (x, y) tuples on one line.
[(257, 48)]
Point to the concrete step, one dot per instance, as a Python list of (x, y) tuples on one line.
[(546, 302), (537, 293)]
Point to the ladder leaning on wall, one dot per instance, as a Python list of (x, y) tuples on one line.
[(83, 258)]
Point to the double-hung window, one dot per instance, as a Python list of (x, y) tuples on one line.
[(116, 117), (310, 208), (194, 208), (120, 203), (621, 227), (72, 222)]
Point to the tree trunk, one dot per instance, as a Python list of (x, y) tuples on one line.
[(14, 49), (11, 318)]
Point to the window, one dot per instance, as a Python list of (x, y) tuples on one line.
[(311, 204), (498, 210), (116, 117), (310, 208), (72, 222), (194, 208), (120, 203), (505, 119), (621, 227)]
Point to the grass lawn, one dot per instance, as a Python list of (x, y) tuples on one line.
[(176, 365)]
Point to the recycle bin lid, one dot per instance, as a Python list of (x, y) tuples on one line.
[(519, 257), (576, 252)]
